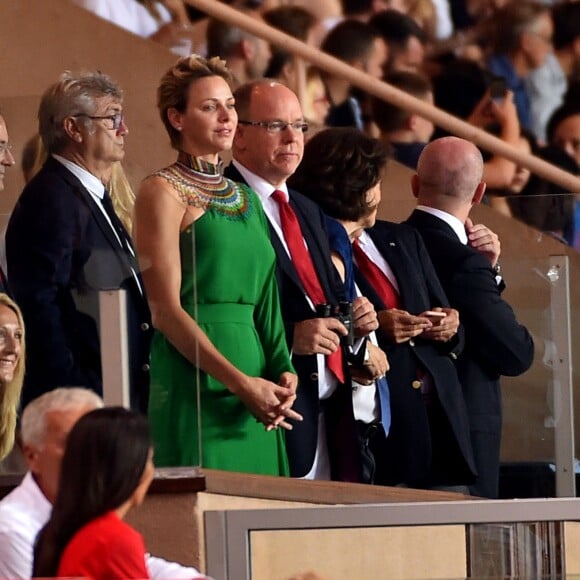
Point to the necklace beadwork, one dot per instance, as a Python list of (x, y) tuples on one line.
[(201, 184)]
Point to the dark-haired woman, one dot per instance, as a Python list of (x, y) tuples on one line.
[(107, 468), (428, 442)]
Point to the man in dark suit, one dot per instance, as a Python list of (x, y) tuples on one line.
[(268, 147), (6, 160), (65, 243), (448, 183), (429, 444)]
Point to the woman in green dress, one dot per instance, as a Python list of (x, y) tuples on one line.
[(221, 378)]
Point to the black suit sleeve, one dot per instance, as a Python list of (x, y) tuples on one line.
[(437, 296), (502, 344), (43, 232)]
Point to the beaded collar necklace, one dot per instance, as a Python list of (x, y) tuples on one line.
[(201, 184)]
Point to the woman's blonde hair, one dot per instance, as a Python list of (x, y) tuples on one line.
[(122, 196), (173, 90), (10, 393)]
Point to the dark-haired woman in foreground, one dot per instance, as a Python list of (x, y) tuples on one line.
[(106, 470)]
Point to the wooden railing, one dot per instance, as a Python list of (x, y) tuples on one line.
[(389, 93)]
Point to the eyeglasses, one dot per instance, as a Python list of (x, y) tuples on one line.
[(277, 126), (117, 119), (5, 148)]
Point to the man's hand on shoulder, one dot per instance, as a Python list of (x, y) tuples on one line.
[(485, 241)]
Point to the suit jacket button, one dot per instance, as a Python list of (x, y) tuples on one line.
[(411, 342), (145, 326), (145, 368), (314, 377), (416, 384)]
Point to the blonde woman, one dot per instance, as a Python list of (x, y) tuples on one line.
[(12, 357)]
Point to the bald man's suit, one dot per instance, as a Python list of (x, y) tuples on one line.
[(495, 343)]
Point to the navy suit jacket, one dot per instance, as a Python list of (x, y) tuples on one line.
[(410, 439), (61, 251), (302, 440), (495, 343)]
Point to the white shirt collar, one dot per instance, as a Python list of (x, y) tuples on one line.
[(455, 224), (262, 187), (91, 182)]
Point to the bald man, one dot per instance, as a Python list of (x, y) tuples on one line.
[(447, 185)]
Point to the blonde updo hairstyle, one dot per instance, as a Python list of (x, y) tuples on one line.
[(173, 89)]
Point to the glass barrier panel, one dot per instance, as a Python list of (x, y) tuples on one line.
[(540, 273)]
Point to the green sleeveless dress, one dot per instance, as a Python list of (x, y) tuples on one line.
[(228, 286)]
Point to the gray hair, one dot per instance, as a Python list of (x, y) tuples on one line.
[(223, 38), (33, 426), (73, 94)]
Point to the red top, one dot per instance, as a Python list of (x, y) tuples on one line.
[(105, 549)]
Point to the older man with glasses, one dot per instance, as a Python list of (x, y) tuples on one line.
[(267, 148), (65, 243), (6, 160)]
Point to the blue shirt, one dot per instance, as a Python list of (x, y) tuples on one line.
[(502, 66)]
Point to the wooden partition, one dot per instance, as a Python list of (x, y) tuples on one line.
[(172, 518)]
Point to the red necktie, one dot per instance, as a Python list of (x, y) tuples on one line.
[(378, 280), (302, 262)]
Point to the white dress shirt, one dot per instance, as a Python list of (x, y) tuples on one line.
[(92, 184), (455, 224), (96, 189), (370, 249), (25, 511)]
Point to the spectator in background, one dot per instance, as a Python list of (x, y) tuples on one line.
[(364, 9), (475, 104), (544, 205), (164, 21), (60, 258), (434, 17), (522, 40), (405, 132), (504, 199), (404, 38), (13, 360), (247, 55), (285, 67), (316, 104), (548, 84), (360, 46)]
